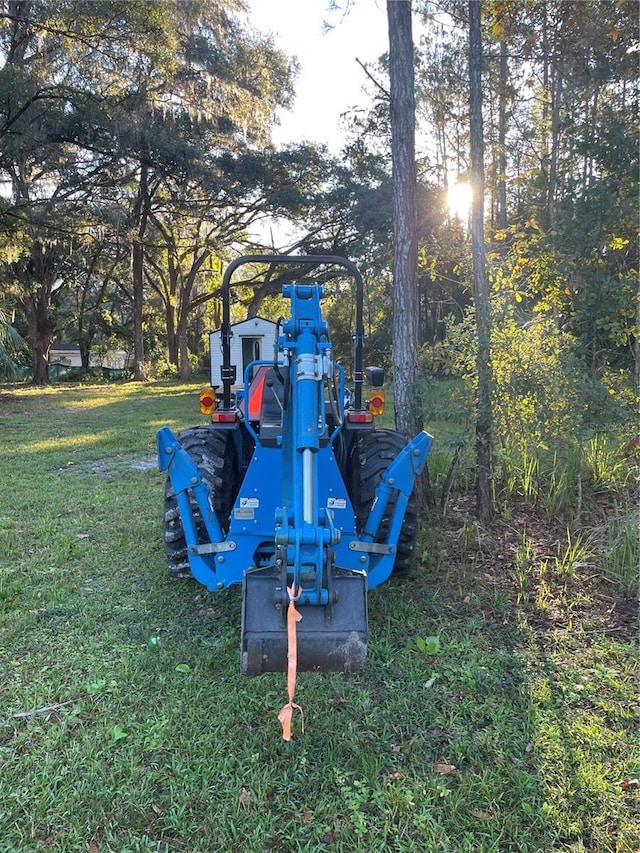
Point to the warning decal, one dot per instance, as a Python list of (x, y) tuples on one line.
[(336, 503)]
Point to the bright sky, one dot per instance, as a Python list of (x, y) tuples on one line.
[(330, 80)]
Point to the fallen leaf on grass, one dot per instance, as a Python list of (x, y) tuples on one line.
[(327, 838), (479, 815), (443, 769), (245, 797), (628, 784), (93, 847), (306, 817)]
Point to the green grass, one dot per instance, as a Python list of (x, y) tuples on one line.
[(125, 724)]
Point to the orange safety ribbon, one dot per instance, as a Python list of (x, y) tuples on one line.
[(293, 617)]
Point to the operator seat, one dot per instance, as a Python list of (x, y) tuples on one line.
[(272, 408)]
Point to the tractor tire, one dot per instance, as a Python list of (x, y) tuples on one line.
[(214, 454), (371, 454)]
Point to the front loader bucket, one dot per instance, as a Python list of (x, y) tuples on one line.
[(329, 637)]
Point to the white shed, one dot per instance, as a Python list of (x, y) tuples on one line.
[(252, 340)]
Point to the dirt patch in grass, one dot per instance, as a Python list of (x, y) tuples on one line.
[(526, 557), (112, 467), (10, 403)]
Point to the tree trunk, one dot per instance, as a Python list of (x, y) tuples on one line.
[(172, 313), (502, 138), (184, 368), (635, 348), (405, 241), (141, 216), (259, 294), (172, 338), (41, 333), (480, 285), (182, 331), (555, 148), (37, 285)]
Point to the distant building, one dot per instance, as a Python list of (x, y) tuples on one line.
[(68, 355), (252, 340)]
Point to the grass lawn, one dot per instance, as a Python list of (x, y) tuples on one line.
[(498, 712)]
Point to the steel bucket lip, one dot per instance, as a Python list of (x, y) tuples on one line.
[(346, 653), (330, 638)]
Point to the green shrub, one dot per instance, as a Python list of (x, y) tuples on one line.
[(558, 429)]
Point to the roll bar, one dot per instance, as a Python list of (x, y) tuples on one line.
[(310, 260)]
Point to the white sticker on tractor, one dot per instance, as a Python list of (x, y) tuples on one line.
[(252, 503), (336, 503), (244, 514)]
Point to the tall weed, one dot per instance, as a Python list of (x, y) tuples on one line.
[(618, 543)]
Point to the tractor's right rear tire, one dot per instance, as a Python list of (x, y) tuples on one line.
[(372, 453), (214, 453)]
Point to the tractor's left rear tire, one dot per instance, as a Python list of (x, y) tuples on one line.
[(214, 453), (372, 453)]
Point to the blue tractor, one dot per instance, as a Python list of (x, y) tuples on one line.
[(291, 487)]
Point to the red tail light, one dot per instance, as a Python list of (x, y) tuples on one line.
[(228, 417), (359, 417)]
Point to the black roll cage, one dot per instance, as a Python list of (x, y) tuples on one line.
[(310, 260)]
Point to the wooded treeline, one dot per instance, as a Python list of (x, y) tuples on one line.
[(135, 161)]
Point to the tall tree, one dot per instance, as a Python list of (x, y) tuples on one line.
[(198, 214), (104, 101), (480, 284), (405, 343)]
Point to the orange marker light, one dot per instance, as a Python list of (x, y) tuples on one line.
[(207, 401), (376, 402)]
